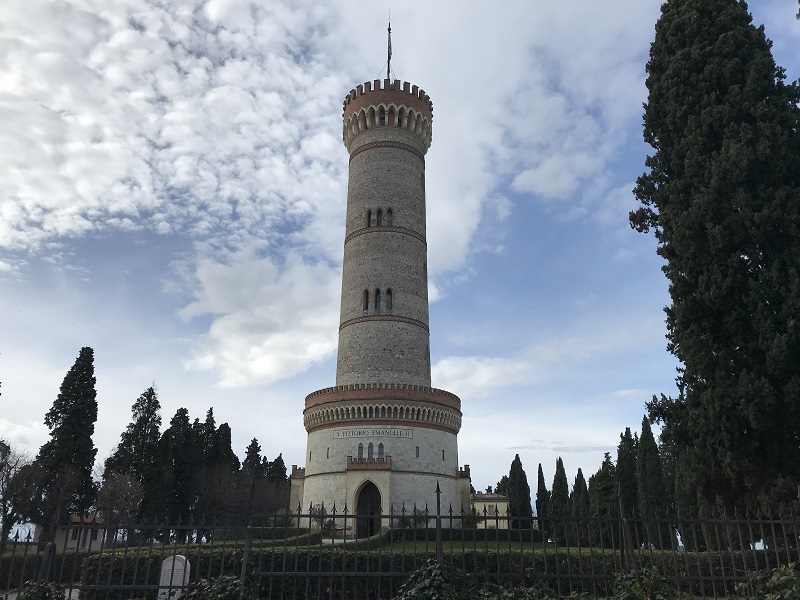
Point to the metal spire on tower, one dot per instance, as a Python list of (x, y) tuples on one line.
[(389, 51)]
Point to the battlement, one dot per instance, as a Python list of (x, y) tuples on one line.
[(390, 90), (298, 472), (464, 473), (387, 104)]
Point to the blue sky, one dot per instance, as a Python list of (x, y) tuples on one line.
[(173, 192)]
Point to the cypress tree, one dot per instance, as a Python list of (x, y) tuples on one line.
[(277, 470), (603, 489), (253, 478), (721, 194), (542, 502), (519, 501), (222, 468), (626, 473), (251, 465), (559, 502), (136, 452), (603, 500), (579, 502), (208, 433), (579, 499), (181, 462), (64, 463), (652, 491), (502, 486)]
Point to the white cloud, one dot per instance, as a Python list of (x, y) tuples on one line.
[(24, 437), (271, 321), (587, 343), (475, 376), (219, 120)]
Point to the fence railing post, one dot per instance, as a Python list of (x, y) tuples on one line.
[(245, 559), (439, 549)]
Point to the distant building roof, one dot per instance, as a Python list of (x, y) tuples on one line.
[(484, 497)]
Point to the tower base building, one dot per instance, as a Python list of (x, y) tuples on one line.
[(382, 440)]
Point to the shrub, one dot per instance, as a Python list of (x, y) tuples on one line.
[(782, 583), (432, 581), (35, 590), (227, 587)]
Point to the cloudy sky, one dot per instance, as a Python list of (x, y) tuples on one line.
[(172, 193)]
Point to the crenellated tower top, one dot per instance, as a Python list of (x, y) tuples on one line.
[(387, 104)]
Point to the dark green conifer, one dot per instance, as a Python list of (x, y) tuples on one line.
[(721, 194), (626, 473), (579, 499), (579, 503), (182, 469), (542, 502), (277, 470), (603, 501), (222, 470), (136, 452), (64, 463), (519, 493), (252, 465), (652, 493), (560, 510), (502, 486)]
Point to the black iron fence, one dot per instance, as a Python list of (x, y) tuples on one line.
[(318, 554)]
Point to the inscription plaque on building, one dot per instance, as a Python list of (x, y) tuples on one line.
[(373, 432)]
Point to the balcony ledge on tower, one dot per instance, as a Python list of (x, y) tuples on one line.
[(375, 463)]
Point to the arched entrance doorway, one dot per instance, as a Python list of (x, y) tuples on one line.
[(368, 511)]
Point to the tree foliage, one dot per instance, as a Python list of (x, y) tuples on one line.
[(722, 195), (626, 472), (579, 498), (136, 451), (652, 492), (519, 492), (502, 486), (60, 480), (603, 489), (11, 463)]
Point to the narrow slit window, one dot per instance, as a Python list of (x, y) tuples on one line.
[(382, 117), (417, 451), (379, 216), (328, 453), (377, 300), (389, 217), (389, 299), (442, 455), (366, 300), (369, 218)]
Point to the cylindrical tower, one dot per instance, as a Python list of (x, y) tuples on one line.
[(383, 330), (382, 439)]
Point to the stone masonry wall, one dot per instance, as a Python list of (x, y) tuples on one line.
[(387, 172)]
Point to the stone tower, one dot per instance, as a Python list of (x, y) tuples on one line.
[(382, 438), (383, 331)]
